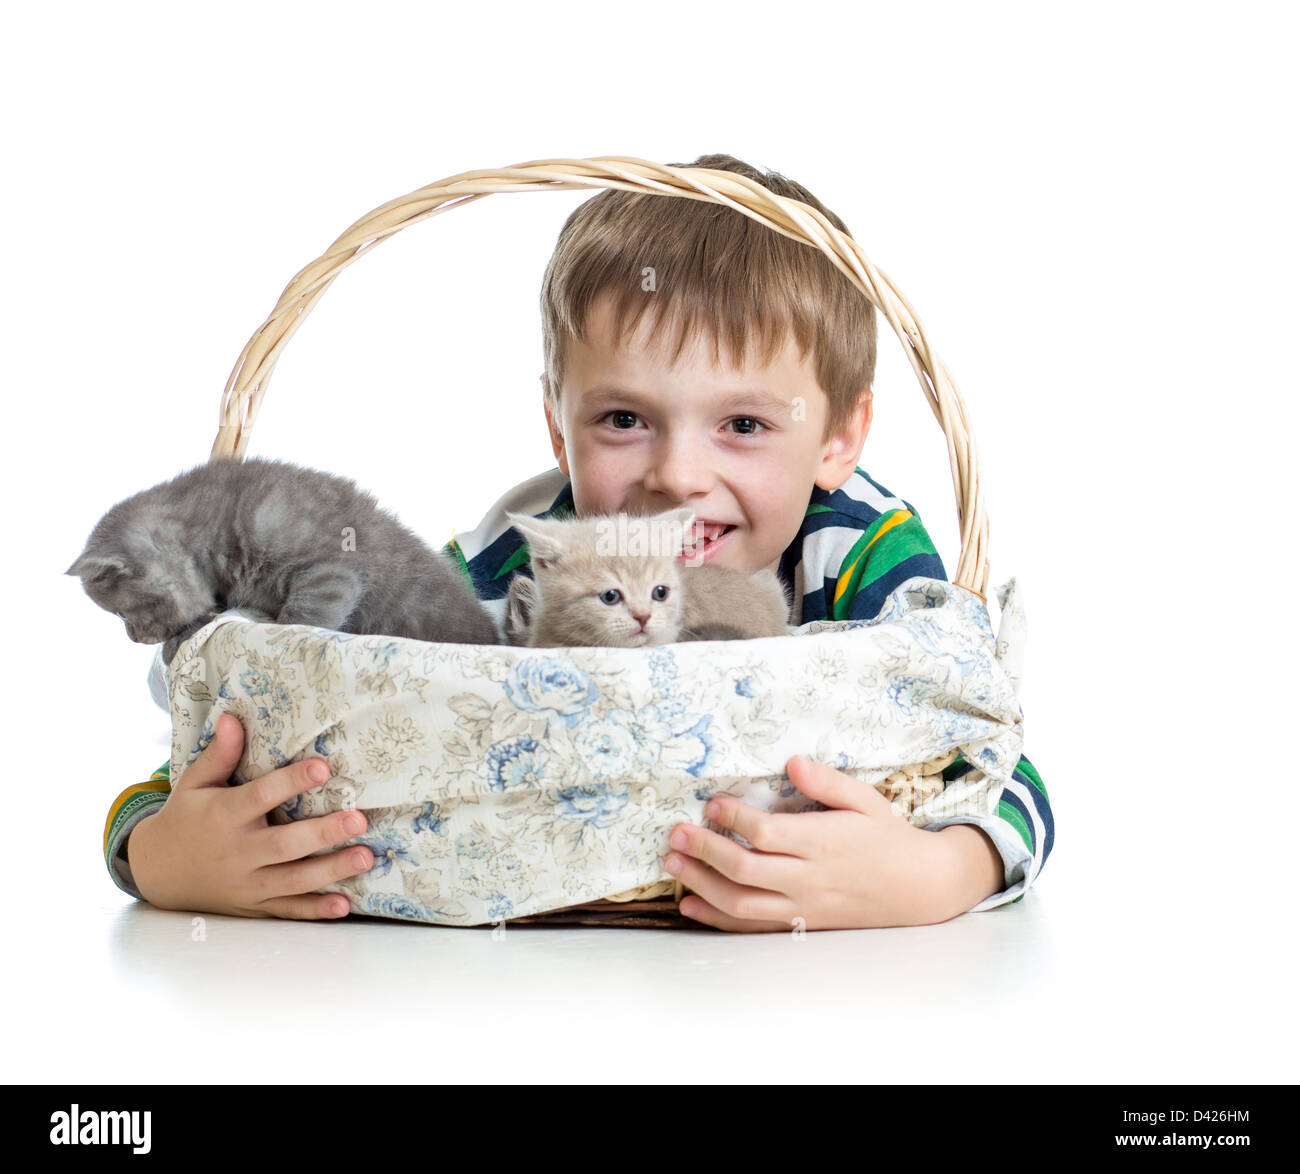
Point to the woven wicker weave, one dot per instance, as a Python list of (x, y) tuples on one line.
[(656, 904)]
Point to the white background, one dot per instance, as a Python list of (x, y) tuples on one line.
[(1092, 211)]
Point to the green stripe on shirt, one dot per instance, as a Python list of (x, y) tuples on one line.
[(1016, 820), (452, 551), (1026, 768), (518, 559), (883, 545)]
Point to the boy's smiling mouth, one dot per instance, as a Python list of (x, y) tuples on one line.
[(705, 539)]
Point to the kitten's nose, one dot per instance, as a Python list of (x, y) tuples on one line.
[(641, 620)]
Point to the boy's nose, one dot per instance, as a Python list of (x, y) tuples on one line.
[(680, 472)]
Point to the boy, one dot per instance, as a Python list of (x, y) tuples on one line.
[(793, 355)]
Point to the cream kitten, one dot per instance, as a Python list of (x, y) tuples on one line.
[(616, 580)]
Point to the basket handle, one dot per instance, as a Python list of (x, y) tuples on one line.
[(248, 380)]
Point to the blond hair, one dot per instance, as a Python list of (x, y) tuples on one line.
[(715, 269)]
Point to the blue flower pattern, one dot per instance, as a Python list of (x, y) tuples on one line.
[(530, 796)]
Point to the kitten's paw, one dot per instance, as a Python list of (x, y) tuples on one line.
[(521, 603)]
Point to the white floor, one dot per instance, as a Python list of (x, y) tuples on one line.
[(1063, 987)]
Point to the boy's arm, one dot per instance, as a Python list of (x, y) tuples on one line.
[(1022, 833), (888, 553), (977, 866), (129, 808)]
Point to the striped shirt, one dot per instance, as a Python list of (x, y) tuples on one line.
[(855, 546)]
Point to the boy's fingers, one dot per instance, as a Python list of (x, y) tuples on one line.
[(756, 868), (284, 843), (217, 762), (698, 909), (768, 831), (265, 794), (834, 788), (299, 878), (311, 907), (724, 904)]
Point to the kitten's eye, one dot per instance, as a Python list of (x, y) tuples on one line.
[(660, 593), (611, 596)]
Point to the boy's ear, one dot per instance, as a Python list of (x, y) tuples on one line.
[(555, 430), (842, 452)]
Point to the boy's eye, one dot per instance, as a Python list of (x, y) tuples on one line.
[(755, 424)]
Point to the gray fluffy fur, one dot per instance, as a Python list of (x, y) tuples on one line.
[(269, 536)]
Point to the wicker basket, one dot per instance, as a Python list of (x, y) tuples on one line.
[(653, 905)]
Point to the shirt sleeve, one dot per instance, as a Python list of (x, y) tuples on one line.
[(129, 808), (895, 548), (1022, 830)]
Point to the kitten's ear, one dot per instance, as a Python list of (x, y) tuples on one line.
[(98, 566), (542, 535)]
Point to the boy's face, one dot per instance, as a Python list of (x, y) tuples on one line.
[(637, 435)]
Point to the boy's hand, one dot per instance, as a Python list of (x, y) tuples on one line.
[(856, 866), (210, 848)]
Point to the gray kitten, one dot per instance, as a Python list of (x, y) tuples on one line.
[(295, 544), (594, 585)]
